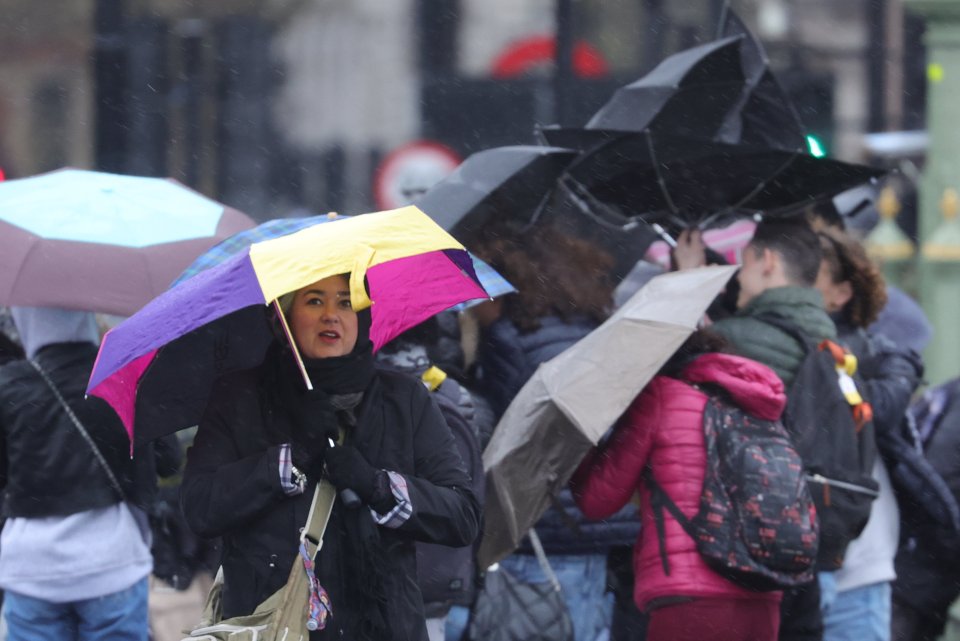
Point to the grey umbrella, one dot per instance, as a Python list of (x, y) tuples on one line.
[(573, 399)]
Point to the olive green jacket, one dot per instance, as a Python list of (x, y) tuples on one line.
[(762, 342)]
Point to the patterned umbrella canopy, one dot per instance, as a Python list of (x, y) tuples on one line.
[(491, 280), (156, 368)]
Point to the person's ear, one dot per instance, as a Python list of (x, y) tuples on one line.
[(768, 261)]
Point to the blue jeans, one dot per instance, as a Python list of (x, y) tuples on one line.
[(860, 614), (457, 619), (120, 616), (583, 579)]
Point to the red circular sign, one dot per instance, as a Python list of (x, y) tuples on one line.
[(408, 171), (531, 53)]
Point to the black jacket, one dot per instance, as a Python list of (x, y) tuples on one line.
[(890, 373), (46, 467), (231, 488), (928, 560), (508, 359)]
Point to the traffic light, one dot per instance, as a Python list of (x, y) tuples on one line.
[(812, 95), (815, 147)]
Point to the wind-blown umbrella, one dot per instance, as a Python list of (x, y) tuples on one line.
[(102, 242), (681, 182), (572, 400), (688, 94), (156, 369), (504, 183), (763, 116)]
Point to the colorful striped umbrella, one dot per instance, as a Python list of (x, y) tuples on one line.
[(102, 242), (156, 368), (491, 280)]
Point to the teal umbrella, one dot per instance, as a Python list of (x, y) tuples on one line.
[(102, 242)]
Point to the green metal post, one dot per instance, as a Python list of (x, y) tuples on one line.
[(941, 287), (940, 265), (889, 247)]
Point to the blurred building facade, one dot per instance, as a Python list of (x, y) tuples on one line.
[(274, 105)]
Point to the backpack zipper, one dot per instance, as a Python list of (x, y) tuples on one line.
[(843, 485)]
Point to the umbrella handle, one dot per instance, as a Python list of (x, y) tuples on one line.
[(664, 236)]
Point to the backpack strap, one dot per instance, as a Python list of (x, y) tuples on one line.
[(114, 483), (660, 500)]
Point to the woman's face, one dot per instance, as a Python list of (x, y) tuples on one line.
[(322, 320), (835, 295)]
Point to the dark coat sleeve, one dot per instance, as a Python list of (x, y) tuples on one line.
[(168, 455), (445, 509), (504, 366), (891, 374), (222, 488)]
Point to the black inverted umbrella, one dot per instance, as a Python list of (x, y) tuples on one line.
[(495, 184), (681, 182), (688, 94), (763, 115)]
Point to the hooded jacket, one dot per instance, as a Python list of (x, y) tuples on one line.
[(69, 535), (663, 428), (47, 469), (764, 343)]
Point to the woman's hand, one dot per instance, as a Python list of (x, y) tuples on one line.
[(347, 469), (314, 424)]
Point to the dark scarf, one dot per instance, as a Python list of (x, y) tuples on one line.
[(344, 379), (350, 373)]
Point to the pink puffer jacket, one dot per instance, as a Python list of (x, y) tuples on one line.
[(664, 428)]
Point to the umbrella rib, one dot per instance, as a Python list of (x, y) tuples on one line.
[(586, 201), (660, 180), (753, 192)]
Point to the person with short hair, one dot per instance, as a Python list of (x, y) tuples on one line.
[(780, 267)]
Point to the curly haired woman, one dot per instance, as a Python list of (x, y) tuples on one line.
[(564, 293), (855, 600)]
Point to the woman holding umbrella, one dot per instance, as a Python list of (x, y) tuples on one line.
[(265, 440)]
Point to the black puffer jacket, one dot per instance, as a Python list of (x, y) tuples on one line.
[(231, 488), (928, 561), (891, 374), (507, 360), (46, 468)]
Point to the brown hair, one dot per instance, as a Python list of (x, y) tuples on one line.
[(847, 261), (702, 341), (555, 274)]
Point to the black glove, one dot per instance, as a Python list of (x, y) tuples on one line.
[(314, 424), (347, 469)]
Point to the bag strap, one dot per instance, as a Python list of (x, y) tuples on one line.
[(542, 558), (660, 500), (80, 428), (320, 509)]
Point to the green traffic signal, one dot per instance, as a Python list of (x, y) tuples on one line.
[(815, 146)]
